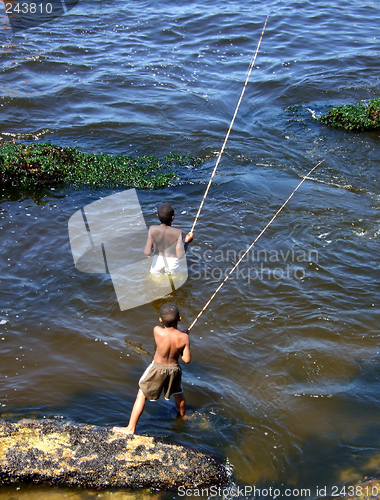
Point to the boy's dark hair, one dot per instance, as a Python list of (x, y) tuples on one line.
[(165, 213), (169, 314)]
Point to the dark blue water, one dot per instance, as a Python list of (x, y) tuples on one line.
[(284, 384)]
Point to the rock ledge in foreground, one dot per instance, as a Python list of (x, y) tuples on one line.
[(50, 451)]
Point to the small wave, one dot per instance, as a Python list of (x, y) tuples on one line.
[(30, 136)]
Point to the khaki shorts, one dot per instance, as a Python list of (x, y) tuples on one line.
[(159, 377)]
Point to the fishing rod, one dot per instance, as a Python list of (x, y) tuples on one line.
[(230, 127), (249, 248)]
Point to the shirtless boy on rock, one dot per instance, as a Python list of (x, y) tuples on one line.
[(164, 373)]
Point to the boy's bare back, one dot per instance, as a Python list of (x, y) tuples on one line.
[(164, 240), (171, 344), (167, 240)]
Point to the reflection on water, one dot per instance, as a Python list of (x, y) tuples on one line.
[(28, 492)]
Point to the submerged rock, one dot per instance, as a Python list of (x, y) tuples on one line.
[(49, 451)]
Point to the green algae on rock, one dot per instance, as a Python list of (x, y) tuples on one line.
[(29, 165), (53, 452), (361, 117)]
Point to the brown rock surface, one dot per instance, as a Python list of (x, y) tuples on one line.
[(49, 451)]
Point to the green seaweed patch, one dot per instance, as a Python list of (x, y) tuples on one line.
[(47, 165), (361, 117)]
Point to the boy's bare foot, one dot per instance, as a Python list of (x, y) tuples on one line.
[(123, 430)]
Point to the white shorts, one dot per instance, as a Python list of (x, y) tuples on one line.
[(168, 264)]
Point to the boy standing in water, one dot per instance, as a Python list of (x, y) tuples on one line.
[(164, 373), (166, 242)]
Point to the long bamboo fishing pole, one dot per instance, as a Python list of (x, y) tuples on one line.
[(249, 248), (230, 127)]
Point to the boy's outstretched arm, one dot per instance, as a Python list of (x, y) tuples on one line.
[(186, 354), (179, 246)]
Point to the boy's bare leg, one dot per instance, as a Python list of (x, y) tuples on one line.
[(137, 410), (180, 403)]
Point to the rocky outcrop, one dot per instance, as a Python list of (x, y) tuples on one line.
[(49, 451)]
